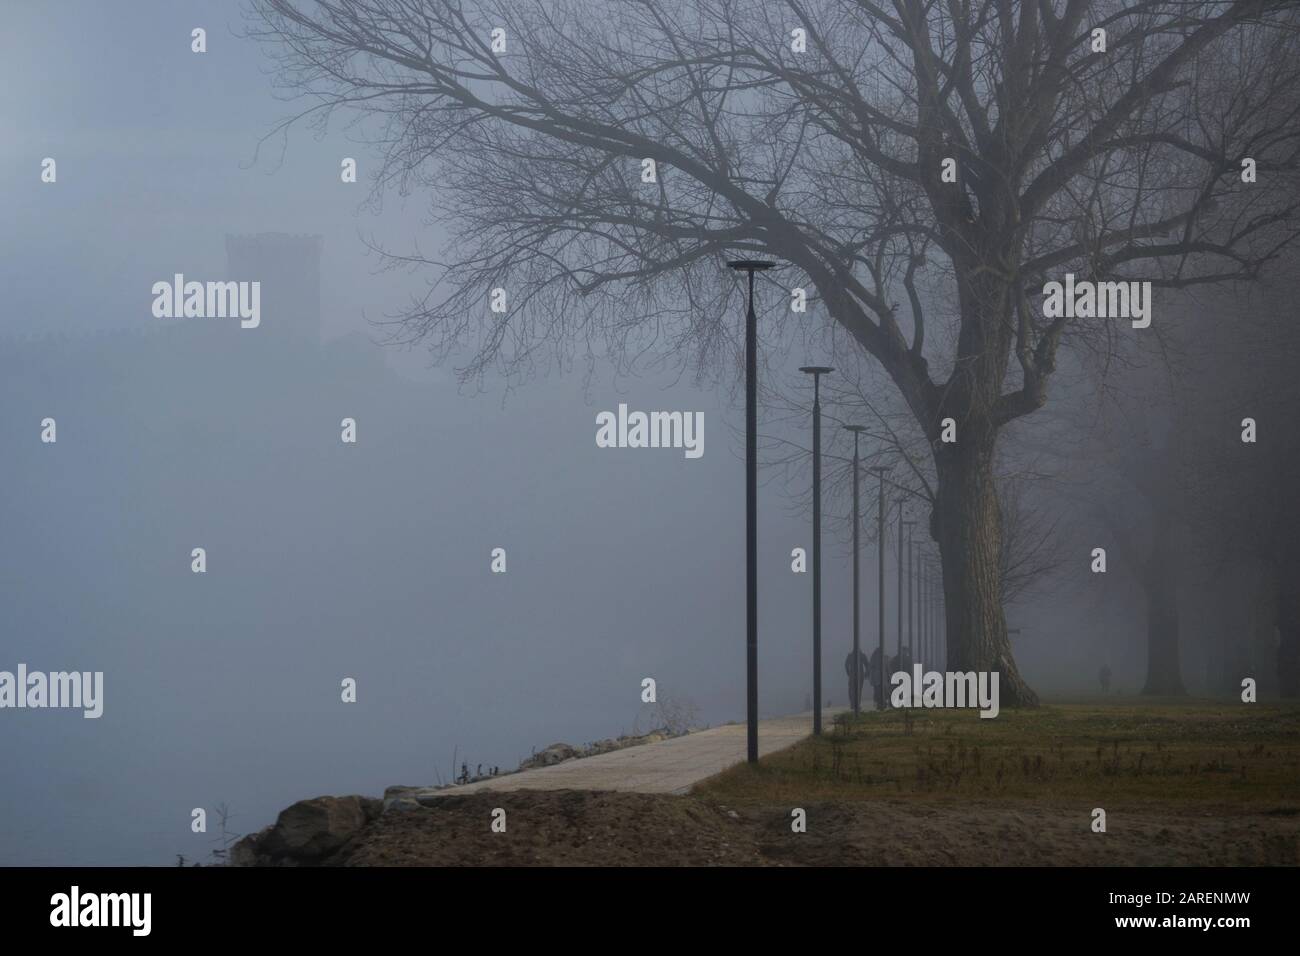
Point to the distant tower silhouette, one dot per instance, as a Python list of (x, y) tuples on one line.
[(288, 267)]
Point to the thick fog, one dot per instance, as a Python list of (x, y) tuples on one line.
[(325, 560), (328, 560)]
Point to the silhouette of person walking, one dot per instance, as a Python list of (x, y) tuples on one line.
[(901, 661), (864, 667)]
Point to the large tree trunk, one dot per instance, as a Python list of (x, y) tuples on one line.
[(968, 528), (1164, 672)]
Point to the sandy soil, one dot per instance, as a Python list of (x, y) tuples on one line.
[(577, 828)]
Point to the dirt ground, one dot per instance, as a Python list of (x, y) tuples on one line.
[(581, 828)]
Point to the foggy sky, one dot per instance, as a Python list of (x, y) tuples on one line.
[(328, 561)]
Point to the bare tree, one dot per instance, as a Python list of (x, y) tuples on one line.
[(1144, 515), (825, 149), (1030, 553), (1030, 550), (1242, 485), (1112, 461)]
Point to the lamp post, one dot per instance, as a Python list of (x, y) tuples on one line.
[(857, 670), (911, 577), (929, 610), (902, 526), (923, 632), (931, 606), (880, 583), (940, 615), (940, 619), (817, 371), (934, 609), (921, 635), (750, 266)]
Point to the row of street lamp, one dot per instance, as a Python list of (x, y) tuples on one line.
[(927, 593), (926, 607)]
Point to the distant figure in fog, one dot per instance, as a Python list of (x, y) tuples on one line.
[(1104, 677), (902, 661), (855, 692)]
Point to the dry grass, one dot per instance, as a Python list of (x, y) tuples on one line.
[(1183, 783), (1103, 752)]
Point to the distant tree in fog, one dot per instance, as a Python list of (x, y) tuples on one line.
[(1245, 364)]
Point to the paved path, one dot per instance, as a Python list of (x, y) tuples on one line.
[(667, 766)]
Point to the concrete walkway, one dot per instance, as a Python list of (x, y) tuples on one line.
[(667, 766)]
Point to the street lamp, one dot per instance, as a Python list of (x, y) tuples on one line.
[(932, 608), (750, 266), (935, 597), (880, 584), (904, 532), (913, 648), (857, 654), (922, 634), (929, 609), (817, 371)]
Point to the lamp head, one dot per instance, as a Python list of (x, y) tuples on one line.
[(816, 369), (750, 265)]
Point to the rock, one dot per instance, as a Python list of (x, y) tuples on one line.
[(429, 796), (553, 754), (245, 851), (399, 804), (307, 832), (401, 799)]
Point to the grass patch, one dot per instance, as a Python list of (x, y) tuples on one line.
[(1106, 751)]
